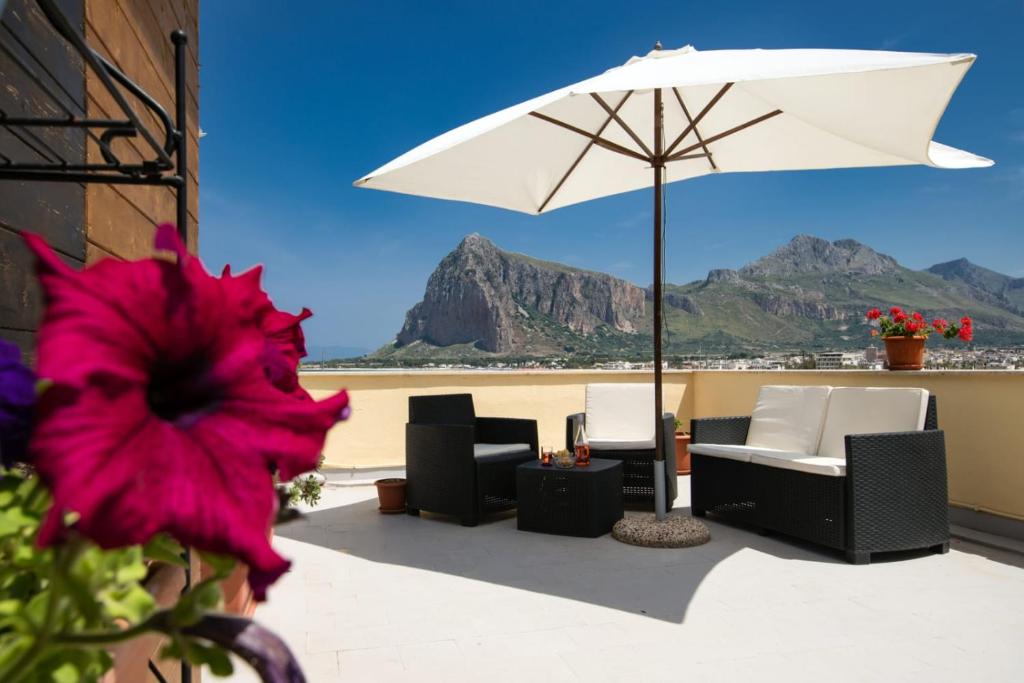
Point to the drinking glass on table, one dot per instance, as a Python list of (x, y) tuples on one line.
[(546, 455)]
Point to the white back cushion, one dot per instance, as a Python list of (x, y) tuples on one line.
[(788, 418), (620, 411), (870, 410)]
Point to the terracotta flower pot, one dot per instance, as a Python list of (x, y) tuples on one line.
[(905, 353), (682, 453), (391, 495)]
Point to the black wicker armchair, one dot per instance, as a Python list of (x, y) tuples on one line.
[(892, 495), (629, 402), (459, 464)]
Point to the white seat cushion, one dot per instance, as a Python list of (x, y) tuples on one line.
[(482, 450), (622, 444), (620, 412), (727, 451), (736, 452), (869, 410), (813, 464), (788, 418)]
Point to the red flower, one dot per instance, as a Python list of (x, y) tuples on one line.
[(874, 314), (917, 316), (895, 310), (911, 326), (899, 317), (940, 325), (965, 321), (172, 408), (966, 333)]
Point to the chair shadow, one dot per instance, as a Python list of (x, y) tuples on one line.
[(659, 583)]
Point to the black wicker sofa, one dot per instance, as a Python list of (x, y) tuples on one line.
[(862, 470)]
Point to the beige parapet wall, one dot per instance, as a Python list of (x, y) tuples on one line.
[(979, 411), (375, 434)]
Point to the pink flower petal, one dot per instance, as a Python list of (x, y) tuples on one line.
[(164, 416)]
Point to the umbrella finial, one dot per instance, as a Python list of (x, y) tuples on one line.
[(657, 45)]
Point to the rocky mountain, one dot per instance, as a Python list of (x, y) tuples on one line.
[(812, 293), (808, 294), (502, 302), (809, 254), (1003, 287)]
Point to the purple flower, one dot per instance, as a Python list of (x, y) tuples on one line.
[(17, 397)]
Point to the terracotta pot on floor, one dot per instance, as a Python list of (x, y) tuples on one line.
[(904, 353), (682, 453), (391, 494)]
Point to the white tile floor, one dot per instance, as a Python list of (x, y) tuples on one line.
[(398, 598)]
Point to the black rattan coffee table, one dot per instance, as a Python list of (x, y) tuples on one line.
[(582, 501)]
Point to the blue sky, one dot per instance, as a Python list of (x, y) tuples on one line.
[(296, 104)]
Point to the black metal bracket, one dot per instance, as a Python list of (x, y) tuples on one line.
[(165, 161)]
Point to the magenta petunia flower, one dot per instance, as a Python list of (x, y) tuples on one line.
[(173, 406), (285, 344)]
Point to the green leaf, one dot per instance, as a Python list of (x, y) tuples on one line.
[(222, 565), (67, 672), (131, 602), (201, 597), (212, 656), (13, 520), (84, 599), (11, 647), (35, 610), (163, 548), (13, 618), (129, 564), (72, 665), (9, 607)]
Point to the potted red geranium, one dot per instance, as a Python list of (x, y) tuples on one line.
[(904, 335)]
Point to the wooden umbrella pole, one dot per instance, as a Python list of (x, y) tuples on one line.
[(658, 163)]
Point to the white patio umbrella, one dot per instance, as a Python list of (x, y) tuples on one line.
[(678, 114)]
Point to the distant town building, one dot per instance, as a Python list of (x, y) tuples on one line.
[(829, 360)]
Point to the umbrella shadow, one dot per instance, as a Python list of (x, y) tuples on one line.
[(658, 583)]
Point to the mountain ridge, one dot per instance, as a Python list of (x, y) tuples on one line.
[(808, 293)]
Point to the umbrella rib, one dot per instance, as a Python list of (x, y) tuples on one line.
[(629, 131), (711, 159), (764, 117), (597, 139), (684, 157), (582, 154), (693, 124)]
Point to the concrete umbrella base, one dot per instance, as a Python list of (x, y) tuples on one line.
[(674, 532)]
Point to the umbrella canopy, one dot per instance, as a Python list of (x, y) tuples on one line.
[(679, 114), (724, 110)]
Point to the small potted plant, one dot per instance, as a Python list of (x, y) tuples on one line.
[(905, 334), (391, 495), (682, 449), (306, 488)]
